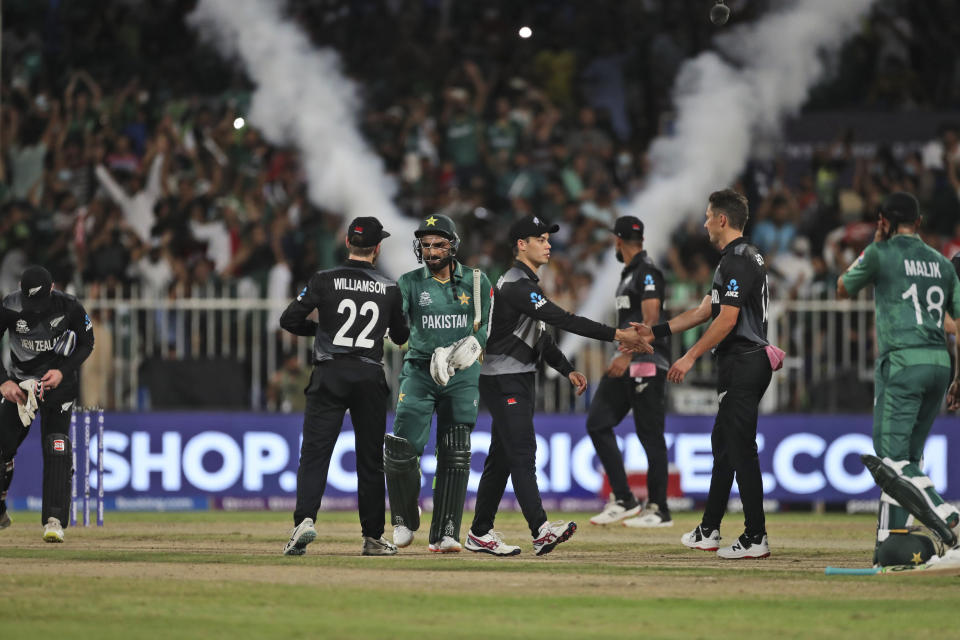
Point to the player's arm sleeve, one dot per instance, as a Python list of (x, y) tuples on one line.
[(739, 277), (656, 289), (294, 317), (553, 356), (4, 321), (653, 288), (80, 324), (399, 327), (529, 299), (486, 310), (861, 272)]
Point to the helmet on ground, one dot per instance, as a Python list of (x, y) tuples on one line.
[(904, 547)]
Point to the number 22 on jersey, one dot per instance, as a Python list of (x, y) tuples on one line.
[(349, 308)]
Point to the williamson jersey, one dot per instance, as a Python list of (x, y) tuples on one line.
[(356, 305), (915, 287), (440, 313), (741, 281), (33, 335), (642, 280)]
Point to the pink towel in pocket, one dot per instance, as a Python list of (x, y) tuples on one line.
[(643, 370), (775, 355)]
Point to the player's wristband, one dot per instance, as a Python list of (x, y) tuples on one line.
[(662, 330)]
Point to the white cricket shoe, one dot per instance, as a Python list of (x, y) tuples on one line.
[(491, 542), (616, 510), (402, 536), (377, 547), (551, 534), (702, 539), (52, 531), (302, 535), (447, 544), (651, 517), (746, 548)]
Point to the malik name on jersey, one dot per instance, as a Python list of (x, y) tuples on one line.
[(921, 268)]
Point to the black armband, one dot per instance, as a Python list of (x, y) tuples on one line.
[(662, 330)]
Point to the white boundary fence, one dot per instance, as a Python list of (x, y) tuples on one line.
[(829, 345)]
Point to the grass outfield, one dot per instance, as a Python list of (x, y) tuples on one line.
[(221, 575)]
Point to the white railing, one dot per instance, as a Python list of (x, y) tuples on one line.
[(829, 345)]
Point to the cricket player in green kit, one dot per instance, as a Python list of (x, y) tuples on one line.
[(448, 309), (915, 287)]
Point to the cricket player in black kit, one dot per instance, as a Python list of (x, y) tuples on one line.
[(634, 383), (738, 335), (518, 340), (356, 306), (50, 337)]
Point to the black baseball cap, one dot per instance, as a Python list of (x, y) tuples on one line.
[(368, 229), (628, 228), (35, 285), (900, 207), (531, 226)]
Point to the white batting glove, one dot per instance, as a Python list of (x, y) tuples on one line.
[(464, 352), (440, 368)]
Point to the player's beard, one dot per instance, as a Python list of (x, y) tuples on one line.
[(619, 255), (438, 264)]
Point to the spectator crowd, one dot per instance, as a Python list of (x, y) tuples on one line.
[(120, 168)]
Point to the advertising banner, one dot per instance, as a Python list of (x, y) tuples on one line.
[(170, 460)]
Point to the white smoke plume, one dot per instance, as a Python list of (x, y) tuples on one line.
[(302, 98), (721, 110)]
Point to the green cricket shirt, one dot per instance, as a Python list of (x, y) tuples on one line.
[(440, 313), (915, 287)]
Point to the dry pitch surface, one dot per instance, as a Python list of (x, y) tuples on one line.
[(605, 580)]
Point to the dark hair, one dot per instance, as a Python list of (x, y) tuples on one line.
[(356, 250), (733, 205)]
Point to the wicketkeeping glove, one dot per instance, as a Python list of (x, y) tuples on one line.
[(28, 410)]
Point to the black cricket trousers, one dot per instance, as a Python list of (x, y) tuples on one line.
[(742, 380), (336, 386), (513, 451), (613, 399), (54, 411)]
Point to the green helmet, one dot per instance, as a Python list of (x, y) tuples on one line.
[(904, 547), (441, 225)]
